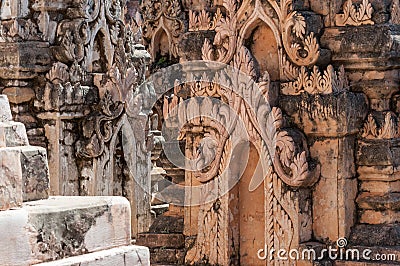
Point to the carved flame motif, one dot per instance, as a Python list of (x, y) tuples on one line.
[(298, 48), (388, 130), (203, 20), (316, 82), (355, 16)]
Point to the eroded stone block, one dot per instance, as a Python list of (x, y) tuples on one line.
[(332, 115), (61, 227), (5, 111), (19, 95), (383, 152), (13, 134), (35, 173), (10, 179), (23, 60)]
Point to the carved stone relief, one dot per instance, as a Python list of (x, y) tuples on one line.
[(87, 106)]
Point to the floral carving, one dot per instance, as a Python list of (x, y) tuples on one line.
[(19, 30), (355, 16), (388, 130), (299, 48), (162, 15), (203, 20), (316, 82)]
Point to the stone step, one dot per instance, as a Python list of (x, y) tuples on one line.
[(5, 111), (152, 240), (13, 134), (167, 256), (61, 227), (121, 256), (24, 175)]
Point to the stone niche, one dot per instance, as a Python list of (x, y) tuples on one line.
[(72, 70)]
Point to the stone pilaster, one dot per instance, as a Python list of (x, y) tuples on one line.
[(370, 54), (331, 122)]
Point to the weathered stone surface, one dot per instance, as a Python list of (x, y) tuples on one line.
[(376, 235), (379, 187), (19, 95), (13, 9), (382, 152), (167, 224), (61, 227), (331, 115), (30, 163), (379, 217), (121, 256), (35, 173), (336, 156), (5, 111), (152, 240), (167, 256), (10, 179), (366, 47), (23, 60), (374, 201), (13, 134)]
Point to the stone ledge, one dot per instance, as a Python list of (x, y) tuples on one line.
[(330, 115), (372, 201), (62, 227), (363, 47), (13, 134), (122, 256)]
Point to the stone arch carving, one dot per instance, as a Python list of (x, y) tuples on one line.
[(288, 167), (98, 104), (294, 51)]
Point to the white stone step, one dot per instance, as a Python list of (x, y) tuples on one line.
[(10, 179), (62, 227), (121, 256), (5, 111), (13, 134), (24, 175)]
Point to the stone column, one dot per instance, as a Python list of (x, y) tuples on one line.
[(331, 122), (370, 55)]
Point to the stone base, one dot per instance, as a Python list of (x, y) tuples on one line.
[(62, 227), (121, 256)]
